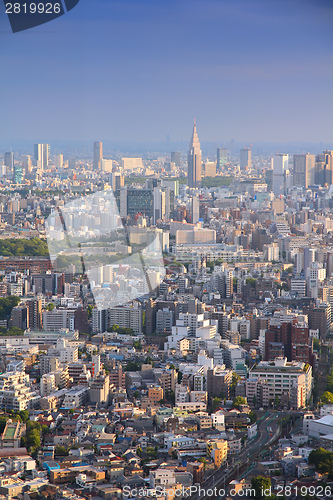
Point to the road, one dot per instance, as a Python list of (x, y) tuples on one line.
[(268, 432)]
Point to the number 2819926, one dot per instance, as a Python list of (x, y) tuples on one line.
[(33, 8)]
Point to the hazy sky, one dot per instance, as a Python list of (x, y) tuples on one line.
[(139, 70)]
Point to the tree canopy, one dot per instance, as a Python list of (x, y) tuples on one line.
[(260, 484), (322, 460), (7, 304), (34, 247), (326, 397)]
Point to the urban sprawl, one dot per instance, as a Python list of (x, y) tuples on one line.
[(166, 324)]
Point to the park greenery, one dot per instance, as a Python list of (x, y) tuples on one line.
[(34, 247), (13, 331)]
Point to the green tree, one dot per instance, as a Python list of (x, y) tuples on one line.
[(252, 417), (33, 439), (322, 460), (50, 306), (251, 282), (238, 401), (60, 451), (316, 345), (132, 366), (24, 414), (260, 484), (326, 397), (7, 304), (3, 421), (216, 403), (137, 345)]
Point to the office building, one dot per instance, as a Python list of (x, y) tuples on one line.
[(58, 161), (26, 164), (18, 174), (222, 158), (324, 168), (209, 169), (245, 158), (98, 155), (304, 170), (42, 153), (133, 201), (194, 161), (175, 158), (9, 161), (280, 166), (116, 181)]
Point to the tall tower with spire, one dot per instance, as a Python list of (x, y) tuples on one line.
[(194, 161)]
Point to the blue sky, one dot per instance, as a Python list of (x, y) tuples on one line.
[(252, 70)]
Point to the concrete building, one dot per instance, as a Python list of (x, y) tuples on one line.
[(98, 155), (294, 378), (126, 317)]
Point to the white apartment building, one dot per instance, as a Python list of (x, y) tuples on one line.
[(282, 377), (182, 394), (15, 391), (218, 420), (179, 332), (47, 384), (75, 397), (162, 477)]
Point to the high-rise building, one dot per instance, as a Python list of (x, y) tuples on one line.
[(245, 158), (304, 170), (194, 161), (26, 164), (324, 168), (175, 158), (195, 209), (98, 155), (18, 174), (159, 198), (116, 180), (280, 166), (42, 152), (59, 161), (9, 160), (221, 158)]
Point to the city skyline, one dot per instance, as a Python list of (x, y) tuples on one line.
[(259, 78)]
